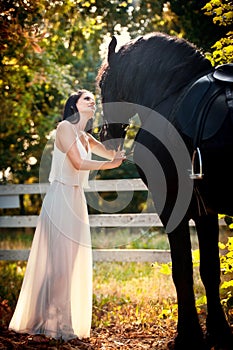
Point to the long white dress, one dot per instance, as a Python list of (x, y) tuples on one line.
[(56, 294)]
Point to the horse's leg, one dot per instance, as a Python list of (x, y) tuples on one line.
[(218, 330), (190, 335)]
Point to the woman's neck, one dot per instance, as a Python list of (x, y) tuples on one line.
[(80, 126)]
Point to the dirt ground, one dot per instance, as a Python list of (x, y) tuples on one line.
[(112, 337), (116, 336), (109, 338)]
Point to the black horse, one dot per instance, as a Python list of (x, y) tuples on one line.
[(183, 151)]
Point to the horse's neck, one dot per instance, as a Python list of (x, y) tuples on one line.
[(165, 108), (164, 100)]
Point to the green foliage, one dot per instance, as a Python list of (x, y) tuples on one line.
[(226, 265), (223, 50), (165, 269), (49, 49), (221, 10), (11, 280), (194, 24), (226, 289), (227, 262), (222, 13), (32, 86)]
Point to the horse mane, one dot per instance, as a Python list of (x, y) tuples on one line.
[(151, 66)]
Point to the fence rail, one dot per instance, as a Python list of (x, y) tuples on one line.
[(94, 185), (96, 220), (9, 198)]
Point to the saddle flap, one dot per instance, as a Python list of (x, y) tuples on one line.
[(203, 108)]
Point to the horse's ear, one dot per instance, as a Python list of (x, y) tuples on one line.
[(111, 48)]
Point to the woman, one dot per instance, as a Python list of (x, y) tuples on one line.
[(56, 294)]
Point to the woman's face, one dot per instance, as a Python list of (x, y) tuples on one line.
[(86, 104)]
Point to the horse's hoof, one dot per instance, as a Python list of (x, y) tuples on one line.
[(178, 344), (223, 347), (223, 344), (221, 339)]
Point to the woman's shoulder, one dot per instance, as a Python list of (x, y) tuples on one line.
[(64, 124), (65, 130), (65, 127)]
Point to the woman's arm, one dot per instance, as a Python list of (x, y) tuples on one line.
[(84, 164), (99, 149), (66, 142)]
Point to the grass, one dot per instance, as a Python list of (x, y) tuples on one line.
[(122, 292), (134, 304), (132, 282), (148, 287), (20, 238), (129, 238), (135, 290), (130, 297)]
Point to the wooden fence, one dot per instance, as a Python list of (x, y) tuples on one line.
[(9, 198)]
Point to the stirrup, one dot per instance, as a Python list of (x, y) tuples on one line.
[(193, 175)]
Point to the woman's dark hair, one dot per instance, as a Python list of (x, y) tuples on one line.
[(71, 112)]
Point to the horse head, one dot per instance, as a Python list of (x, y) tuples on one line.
[(116, 110)]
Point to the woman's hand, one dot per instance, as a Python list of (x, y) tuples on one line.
[(118, 159)]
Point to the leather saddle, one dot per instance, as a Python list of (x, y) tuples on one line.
[(205, 107), (206, 104)]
